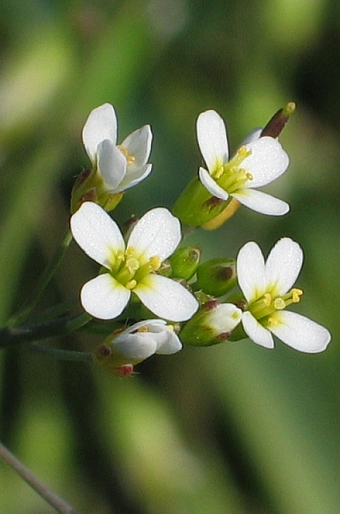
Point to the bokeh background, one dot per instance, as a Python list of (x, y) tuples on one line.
[(231, 429)]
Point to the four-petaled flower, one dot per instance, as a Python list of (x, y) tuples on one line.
[(132, 266), (267, 289), (257, 163), (138, 342), (119, 167)]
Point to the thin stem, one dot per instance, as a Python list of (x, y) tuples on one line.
[(64, 355), (54, 328), (52, 498), (44, 280)]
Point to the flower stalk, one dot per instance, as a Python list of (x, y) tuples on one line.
[(58, 503)]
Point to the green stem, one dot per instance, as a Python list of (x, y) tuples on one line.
[(59, 327), (44, 280), (64, 355), (52, 498)]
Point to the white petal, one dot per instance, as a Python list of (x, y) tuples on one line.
[(267, 161), (103, 297), (96, 233), (223, 318), (138, 145), (252, 136), (211, 185), (171, 344), (300, 332), (135, 347), (283, 266), (157, 233), (212, 139), (133, 177), (166, 298), (111, 164), (261, 202), (164, 339), (152, 325), (101, 124), (251, 271), (256, 332)]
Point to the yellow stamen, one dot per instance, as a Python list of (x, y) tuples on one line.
[(143, 328), (130, 158), (273, 321), (267, 299), (155, 262), (296, 295), (131, 284), (219, 172), (243, 152)]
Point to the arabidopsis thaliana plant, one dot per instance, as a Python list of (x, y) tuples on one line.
[(257, 163), (120, 167), (267, 288), (132, 266)]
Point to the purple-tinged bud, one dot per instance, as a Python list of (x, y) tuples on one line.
[(217, 276), (212, 324)]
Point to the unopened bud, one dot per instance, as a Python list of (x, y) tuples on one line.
[(184, 262), (217, 277), (213, 324)]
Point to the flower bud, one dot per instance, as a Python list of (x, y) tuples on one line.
[(184, 262), (212, 324), (217, 277)]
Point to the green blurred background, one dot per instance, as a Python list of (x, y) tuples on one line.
[(232, 429)]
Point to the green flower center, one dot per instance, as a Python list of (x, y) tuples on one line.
[(129, 268), (231, 176), (265, 308)]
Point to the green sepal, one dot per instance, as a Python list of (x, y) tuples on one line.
[(196, 206)]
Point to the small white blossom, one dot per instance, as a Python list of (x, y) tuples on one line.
[(259, 161), (122, 166), (267, 289), (143, 339), (131, 267)]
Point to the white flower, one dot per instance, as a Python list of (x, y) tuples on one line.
[(131, 267), (120, 167), (257, 163), (143, 339), (267, 290)]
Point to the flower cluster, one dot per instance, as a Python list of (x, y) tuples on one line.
[(150, 273)]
